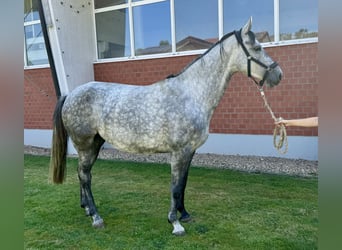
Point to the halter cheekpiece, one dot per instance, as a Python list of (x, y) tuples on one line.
[(251, 58)]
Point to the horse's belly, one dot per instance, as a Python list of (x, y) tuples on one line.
[(139, 146), (131, 141), (154, 140)]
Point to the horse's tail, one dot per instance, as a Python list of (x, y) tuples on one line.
[(59, 145)]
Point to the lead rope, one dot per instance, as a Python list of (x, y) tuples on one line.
[(279, 130)]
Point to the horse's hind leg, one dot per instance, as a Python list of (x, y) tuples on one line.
[(87, 154), (180, 163)]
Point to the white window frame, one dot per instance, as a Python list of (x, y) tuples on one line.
[(130, 4), (173, 53), (277, 41)]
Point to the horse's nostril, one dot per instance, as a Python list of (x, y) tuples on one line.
[(280, 76)]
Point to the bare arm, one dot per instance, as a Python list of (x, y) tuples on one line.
[(305, 122)]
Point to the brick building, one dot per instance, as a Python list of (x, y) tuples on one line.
[(116, 41)]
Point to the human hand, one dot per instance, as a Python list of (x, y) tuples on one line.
[(280, 121)]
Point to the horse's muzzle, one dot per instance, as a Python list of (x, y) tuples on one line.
[(274, 77)]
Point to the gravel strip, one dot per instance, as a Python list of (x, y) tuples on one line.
[(252, 164)]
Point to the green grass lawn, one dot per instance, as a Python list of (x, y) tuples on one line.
[(230, 209)]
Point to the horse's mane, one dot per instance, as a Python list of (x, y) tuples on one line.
[(204, 54)]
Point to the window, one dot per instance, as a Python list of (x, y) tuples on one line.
[(298, 19), (34, 46), (113, 36), (237, 12), (152, 28), (133, 28), (196, 27), (31, 10), (149, 32)]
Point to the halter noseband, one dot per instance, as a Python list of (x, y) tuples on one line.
[(251, 58)]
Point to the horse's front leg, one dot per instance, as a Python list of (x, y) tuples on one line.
[(180, 163)]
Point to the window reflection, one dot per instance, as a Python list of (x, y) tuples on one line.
[(237, 12), (31, 10), (298, 19), (113, 39), (196, 24), (35, 45), (152, 31)]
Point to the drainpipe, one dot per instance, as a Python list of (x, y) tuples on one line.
[(48, 48)]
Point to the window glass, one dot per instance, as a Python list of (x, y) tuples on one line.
[(108, 3), (298, 19), (35, 45), (237, 12), (31, 10), (112, 30), (152, 28), (196, 24)]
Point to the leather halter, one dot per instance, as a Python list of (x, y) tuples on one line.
[(251, 58)]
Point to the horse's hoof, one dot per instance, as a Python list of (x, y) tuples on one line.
[(178, 233), (178, 230), (98, 223)]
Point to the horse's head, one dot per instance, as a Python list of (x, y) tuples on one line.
[(253, 60)]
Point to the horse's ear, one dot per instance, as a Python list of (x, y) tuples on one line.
[(247, 26)]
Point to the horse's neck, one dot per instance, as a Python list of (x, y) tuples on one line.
[(208, 77)]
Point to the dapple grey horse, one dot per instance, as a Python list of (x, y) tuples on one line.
[(171, 115)]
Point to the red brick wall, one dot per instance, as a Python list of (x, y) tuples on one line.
[(39, 99), (140, 71), (241, 110)]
